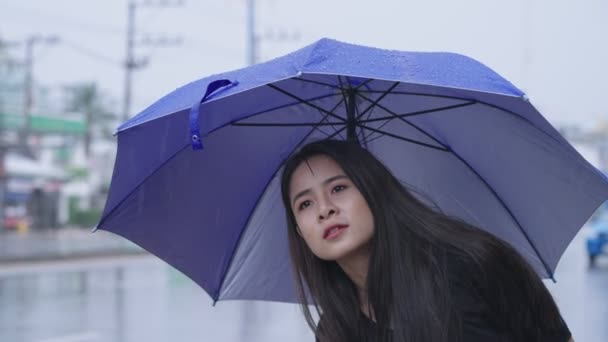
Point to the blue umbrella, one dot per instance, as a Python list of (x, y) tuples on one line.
[(196, 179)]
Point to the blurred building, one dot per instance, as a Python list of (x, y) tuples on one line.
[(591, 142), (33, 183), (59, 184), (32, 190), (47, 180)]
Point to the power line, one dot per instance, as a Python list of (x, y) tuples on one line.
[(30, 43), (66, 21), (92, 53), (79, 48)]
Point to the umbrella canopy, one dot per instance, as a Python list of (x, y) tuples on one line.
[(196, 179)]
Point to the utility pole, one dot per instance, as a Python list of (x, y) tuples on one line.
[(2, 174), (28, 85), (131, 62), (23, 137), (2, 152), (3, 142), (253, 40)]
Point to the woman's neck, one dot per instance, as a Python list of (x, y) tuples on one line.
[(356, 267)]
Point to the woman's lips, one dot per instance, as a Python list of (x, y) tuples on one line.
[(334, 231)]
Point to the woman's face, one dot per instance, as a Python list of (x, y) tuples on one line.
[(332, 215)]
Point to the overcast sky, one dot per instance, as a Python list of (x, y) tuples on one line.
[(555, 50)]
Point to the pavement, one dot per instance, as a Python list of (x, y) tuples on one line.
[(60, 244)]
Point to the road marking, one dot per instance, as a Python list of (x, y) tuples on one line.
[(74, 265), (81, 337)]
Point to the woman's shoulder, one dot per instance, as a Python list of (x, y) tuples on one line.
[(462, 276), (462, 270), (488, 295), (495, 265)]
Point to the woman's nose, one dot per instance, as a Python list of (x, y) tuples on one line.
[(326, 210)]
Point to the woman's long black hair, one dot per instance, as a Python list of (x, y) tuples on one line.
[(408, 282)]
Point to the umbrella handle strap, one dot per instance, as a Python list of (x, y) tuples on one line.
[(195, 134)]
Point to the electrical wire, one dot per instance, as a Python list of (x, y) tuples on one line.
[(91, 53)]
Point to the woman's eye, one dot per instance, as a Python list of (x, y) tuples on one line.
[(304, 204), (339, 188)]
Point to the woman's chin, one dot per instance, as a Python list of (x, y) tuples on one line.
[(330, 255), (335, 253)]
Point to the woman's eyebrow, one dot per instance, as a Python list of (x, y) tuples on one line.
[(325, 182)]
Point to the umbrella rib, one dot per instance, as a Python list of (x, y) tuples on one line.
[(111, 211), (415, 94), (347, 100), (317, 82), (377, 101), (521, 118), (500, 200), (373, 105), (420, 112), (465, 104), (371, 140), (542, 260), (237, 123), (216, 293), (304, 124), (401, 116), (363, 84), (343, 92), (409, 123), (361, 136), (336, 132), (478, 101), (305, 101), (368, 138), (442, 148), (279, 107)]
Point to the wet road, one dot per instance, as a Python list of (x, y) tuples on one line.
[(130, 299), (582, 293), (138, 298)]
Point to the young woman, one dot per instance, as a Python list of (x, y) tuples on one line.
[(379, 265)]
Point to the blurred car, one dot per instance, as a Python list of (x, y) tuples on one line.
[(597, 242), (15, 218)]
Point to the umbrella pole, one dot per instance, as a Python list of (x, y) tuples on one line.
[(351, 118)]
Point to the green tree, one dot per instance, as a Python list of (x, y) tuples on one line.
[(87, 99)]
